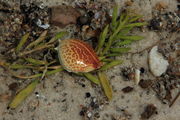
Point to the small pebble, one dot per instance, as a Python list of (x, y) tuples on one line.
[(178, 6), (137, 76), (90, 14), (13, 86), (81, 113), (83, 85), (63, 15), (88, 95), (89, 114), (97, 115), (155, 24), (127, 89), (83, 20), (94, 99), (142, 70), (145, 83), (149, 111)]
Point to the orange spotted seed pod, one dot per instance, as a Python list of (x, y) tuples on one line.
[(77, 56)]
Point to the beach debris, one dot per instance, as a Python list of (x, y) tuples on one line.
[(64, 15), (165, 21), (149, 111), (158, 65), (44, 26), (83, 20), (4, 97), (128, 73), (137, 76), (127, 89), (161, 6), (145, 83)]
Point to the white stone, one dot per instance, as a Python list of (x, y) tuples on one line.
[(158, 65), (137, 76)]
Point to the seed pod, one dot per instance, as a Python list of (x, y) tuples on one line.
[(77, 56)]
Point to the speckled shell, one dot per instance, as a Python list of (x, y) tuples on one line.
[(77, 56)]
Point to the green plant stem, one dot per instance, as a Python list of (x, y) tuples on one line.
[(23, 94), (110, 65), (105, 85), (36, 42), (102, 39), (37, 75), (22, 42), (35, 61), (92, 78), (57, 36), (111, 39), (34, 50)]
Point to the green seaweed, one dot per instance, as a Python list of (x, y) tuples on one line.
[(22, 42), (57, 36), (91, 77), (110, 65), (39, 40), (114, 17), (35, 61), (105, 85), (125, 42), (23, 94), (102, 38)]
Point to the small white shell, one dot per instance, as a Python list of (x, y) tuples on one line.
[(158, 65), (137, 76)]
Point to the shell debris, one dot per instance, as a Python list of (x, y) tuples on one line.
[(158, 65)]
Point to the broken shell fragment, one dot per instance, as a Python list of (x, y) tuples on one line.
[(158, 65), (137, 76), (77, 56)]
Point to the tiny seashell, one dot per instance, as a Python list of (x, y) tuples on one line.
[(77, 56), (158, 65), (137, 76)]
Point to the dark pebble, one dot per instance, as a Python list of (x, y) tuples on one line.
[(81, 113), (127, 89), (13, 86), (178, 6), (63, 100), (83, 20), (83, 85), (90, 14), (145, 83), (155, 24), (149, 111), (142, 70), (94, 105), (168, 96), (88, 95), (97, 115)]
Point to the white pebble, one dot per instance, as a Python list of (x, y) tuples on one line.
[(158, 65), (137, 76), (89, 114)]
